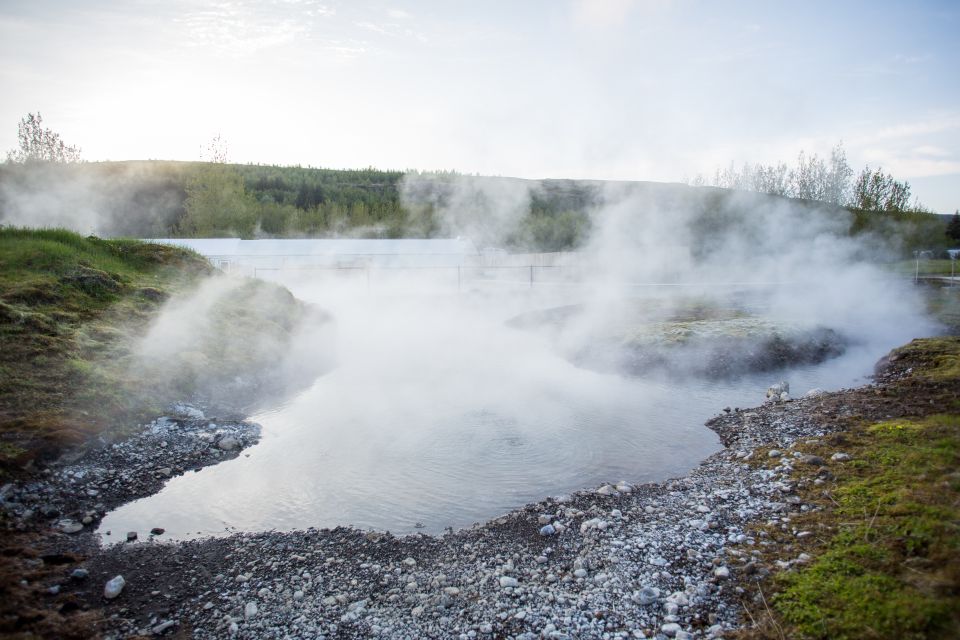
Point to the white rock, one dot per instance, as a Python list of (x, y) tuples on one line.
[(163, 626), (721, 572), (69, 526), (813, 393), (547, 530), (840, 457), (409, 562), (228, 443), (250, 611), (670, 629), (113, 587), (507, 581), (607, 490), (775, 453)]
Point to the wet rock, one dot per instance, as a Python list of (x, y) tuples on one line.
[(157, 531), (607, 490), (79, 574), (131, 536)]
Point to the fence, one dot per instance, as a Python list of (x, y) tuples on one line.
[(459, 277)]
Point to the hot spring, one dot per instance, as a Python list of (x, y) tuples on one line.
[(442, 412)]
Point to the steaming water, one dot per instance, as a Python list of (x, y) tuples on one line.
[(439, 415)]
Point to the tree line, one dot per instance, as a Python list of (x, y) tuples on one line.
[(214, 198), (830, 180)]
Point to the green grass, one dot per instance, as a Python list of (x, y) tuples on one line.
[(73, 314), (886, 524), (892, 567), (67, 303), (926, 267)]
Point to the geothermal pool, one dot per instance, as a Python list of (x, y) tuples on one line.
[(439, 415)]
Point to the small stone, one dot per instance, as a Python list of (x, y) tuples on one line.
[(207, 606), (250, 611), (721, 573), (69, 526), (813, 393), (113, 587), (163, 626), (157, 531), (840, 457), (417, 611), (670, 629), (87, 520), (298, 595), (409, 562), (547, 530), (131, 536), (815, 461), (580, 573), (508, 582), (775, 453), (79, 574), (647, 595), (607, 490), (228, 443), (544, 518)]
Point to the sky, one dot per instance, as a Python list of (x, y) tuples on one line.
[(607, 89)]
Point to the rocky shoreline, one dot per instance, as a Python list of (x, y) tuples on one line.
[(664, 559)]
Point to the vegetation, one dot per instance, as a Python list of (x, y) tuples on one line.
[(40, 144), (819, 180), (885, 547), (72, 313)]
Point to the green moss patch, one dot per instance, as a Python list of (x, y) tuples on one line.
[(886, 549)]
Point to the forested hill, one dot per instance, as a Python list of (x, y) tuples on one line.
[(196, 199)]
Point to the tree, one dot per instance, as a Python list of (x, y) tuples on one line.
[(953, 227), (878, 191), (38, 144), (217, 201)]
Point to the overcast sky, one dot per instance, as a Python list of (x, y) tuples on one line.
[(620, 89)]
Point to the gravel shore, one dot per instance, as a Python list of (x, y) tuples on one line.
[(655, 560)]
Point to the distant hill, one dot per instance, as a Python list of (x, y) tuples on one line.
[(195, 199)]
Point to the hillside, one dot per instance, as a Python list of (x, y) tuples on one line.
[(74, 312), (194, 199)]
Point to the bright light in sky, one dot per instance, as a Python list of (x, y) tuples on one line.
[(619, 89)]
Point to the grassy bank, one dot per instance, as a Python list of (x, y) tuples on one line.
[(73, 312), (883, 528)]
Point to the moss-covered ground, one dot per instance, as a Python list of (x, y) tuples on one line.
[(72, 310), (885, 524)]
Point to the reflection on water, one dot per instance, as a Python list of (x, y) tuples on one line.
[(440, 415)]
